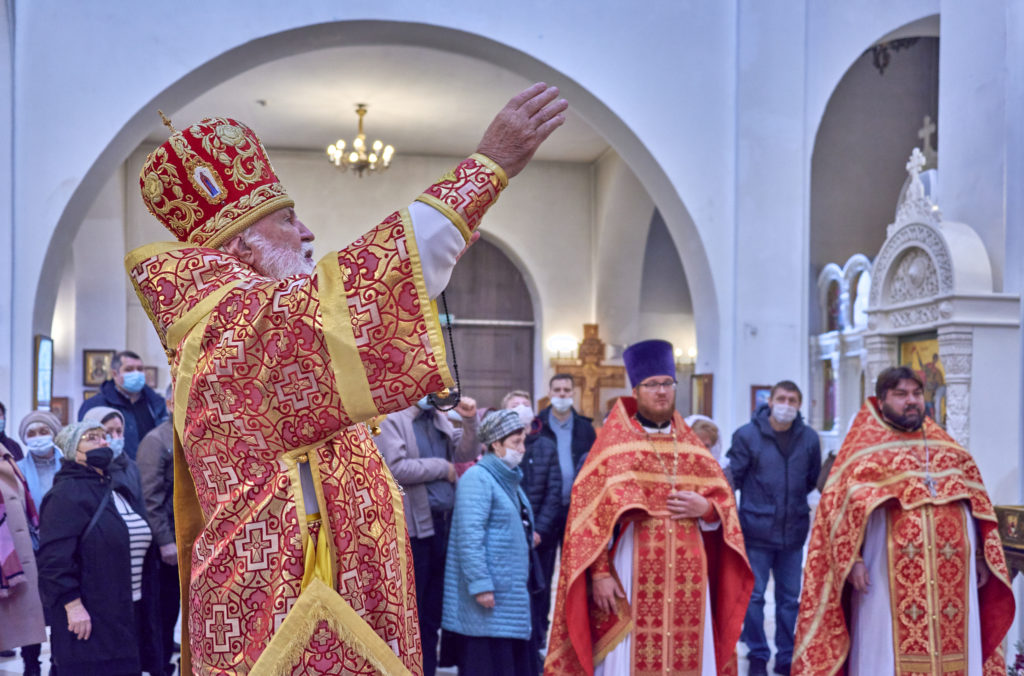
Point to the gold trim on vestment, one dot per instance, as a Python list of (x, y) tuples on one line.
[(493, 166), (349, 372), (321, 603), (177, 330), (455, 217), (238, 226), (431, 318)]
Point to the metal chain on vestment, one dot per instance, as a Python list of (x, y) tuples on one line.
[(450, 402), (675, 454)]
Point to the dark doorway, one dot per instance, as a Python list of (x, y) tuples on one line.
[(494, 325)]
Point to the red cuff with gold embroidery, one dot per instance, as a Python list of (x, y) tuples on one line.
[(602, 566), (465, 194), (710, 516)]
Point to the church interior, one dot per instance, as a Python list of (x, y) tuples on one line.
[(797, 190)]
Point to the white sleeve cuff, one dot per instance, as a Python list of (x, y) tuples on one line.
[(705, 526), (439, 242)]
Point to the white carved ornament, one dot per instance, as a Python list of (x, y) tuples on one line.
[(916, 206), (901, 258)]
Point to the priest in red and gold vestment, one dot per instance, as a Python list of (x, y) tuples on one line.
[(905, 573), (654, 578), (292, 541)]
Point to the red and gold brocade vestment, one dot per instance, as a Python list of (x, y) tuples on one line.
[(271, 374), (675, 563), (920, 495)]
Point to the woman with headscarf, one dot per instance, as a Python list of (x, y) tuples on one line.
[(487, 572), (21, 612), (42, 460), (124, 472), (95, 557)]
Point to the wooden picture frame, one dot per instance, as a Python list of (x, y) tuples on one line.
[(96, 366), (152, 376), (88, 394), (702, 390), (61, 407), (759, 394), (42, 372)]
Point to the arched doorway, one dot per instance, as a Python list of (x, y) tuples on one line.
[(493, 326)]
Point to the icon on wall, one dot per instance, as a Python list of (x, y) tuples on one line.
[(96, 366)]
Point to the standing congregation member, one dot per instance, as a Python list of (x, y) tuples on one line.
[(486, 580), (774, 462), (905, 573), (126, 390), (10, 444), (282, 501), (21, 612), (421, 447), (542, 483), (572, 435), (654, 579), (42, 461), (156, 470), (123, 471), (96, 565)]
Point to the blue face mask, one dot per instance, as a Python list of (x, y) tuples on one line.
[(424, 404), (116, 445), (134, 381), (3, 424)]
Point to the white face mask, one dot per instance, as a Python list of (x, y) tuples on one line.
[(784, 413), (39, 445), (525, 414), (512, 457), (561, 404)]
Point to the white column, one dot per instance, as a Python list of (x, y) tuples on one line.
[(956, 349)]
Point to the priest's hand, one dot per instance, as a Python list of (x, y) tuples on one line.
[(79, 622), (466, 407), (687, 505), (858, 577), (521, 126), (486, 599), (604, 590), (983, 572)]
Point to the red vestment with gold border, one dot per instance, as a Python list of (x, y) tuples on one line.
[(625, 480), (271, 374), (880, 467)]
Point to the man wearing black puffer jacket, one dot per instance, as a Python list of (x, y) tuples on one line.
[(775, 461)]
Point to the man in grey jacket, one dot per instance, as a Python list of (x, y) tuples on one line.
[(420, 446)]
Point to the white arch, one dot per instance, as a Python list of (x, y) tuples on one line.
[(342, 33)]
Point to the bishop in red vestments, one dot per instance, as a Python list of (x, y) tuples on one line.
[(654, 578)]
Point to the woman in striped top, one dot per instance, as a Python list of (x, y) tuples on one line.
[(97, 565)]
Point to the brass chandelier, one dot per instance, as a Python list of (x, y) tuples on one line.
[(361, 158)]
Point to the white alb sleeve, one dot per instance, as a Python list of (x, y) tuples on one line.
[(439, 242)]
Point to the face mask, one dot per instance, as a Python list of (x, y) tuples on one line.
[(134, 381), (784, 413), (99, 457), (3, 423), (513, 456), (561, 404), (40, 445), (116, 445), (454, 416), (525, 414), (424, 404)]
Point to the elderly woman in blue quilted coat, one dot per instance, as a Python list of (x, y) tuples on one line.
[(486, 597)]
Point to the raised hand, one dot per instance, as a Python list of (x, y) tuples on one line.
[(521, 126)]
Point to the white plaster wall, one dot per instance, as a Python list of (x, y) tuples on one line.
[(9, 328), (995, 410)]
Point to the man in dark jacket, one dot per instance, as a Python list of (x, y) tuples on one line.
[(142, 408), (542, 483), (9, 443), (775, 461), (572, 435)]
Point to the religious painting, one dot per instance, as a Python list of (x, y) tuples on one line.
[(759, 395), (151, 376), (921, 353), (96, 366), (42, 379), (701, 389), (60, 407), (830, 387), (1011, 525)]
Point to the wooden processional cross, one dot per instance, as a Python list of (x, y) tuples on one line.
[(589, 373)]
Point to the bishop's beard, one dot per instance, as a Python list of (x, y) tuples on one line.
[(278, 262)]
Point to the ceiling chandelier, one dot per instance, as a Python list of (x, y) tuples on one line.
[(361, 158)]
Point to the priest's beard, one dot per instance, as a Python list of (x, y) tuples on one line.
[(278, 262), (909, 421)]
